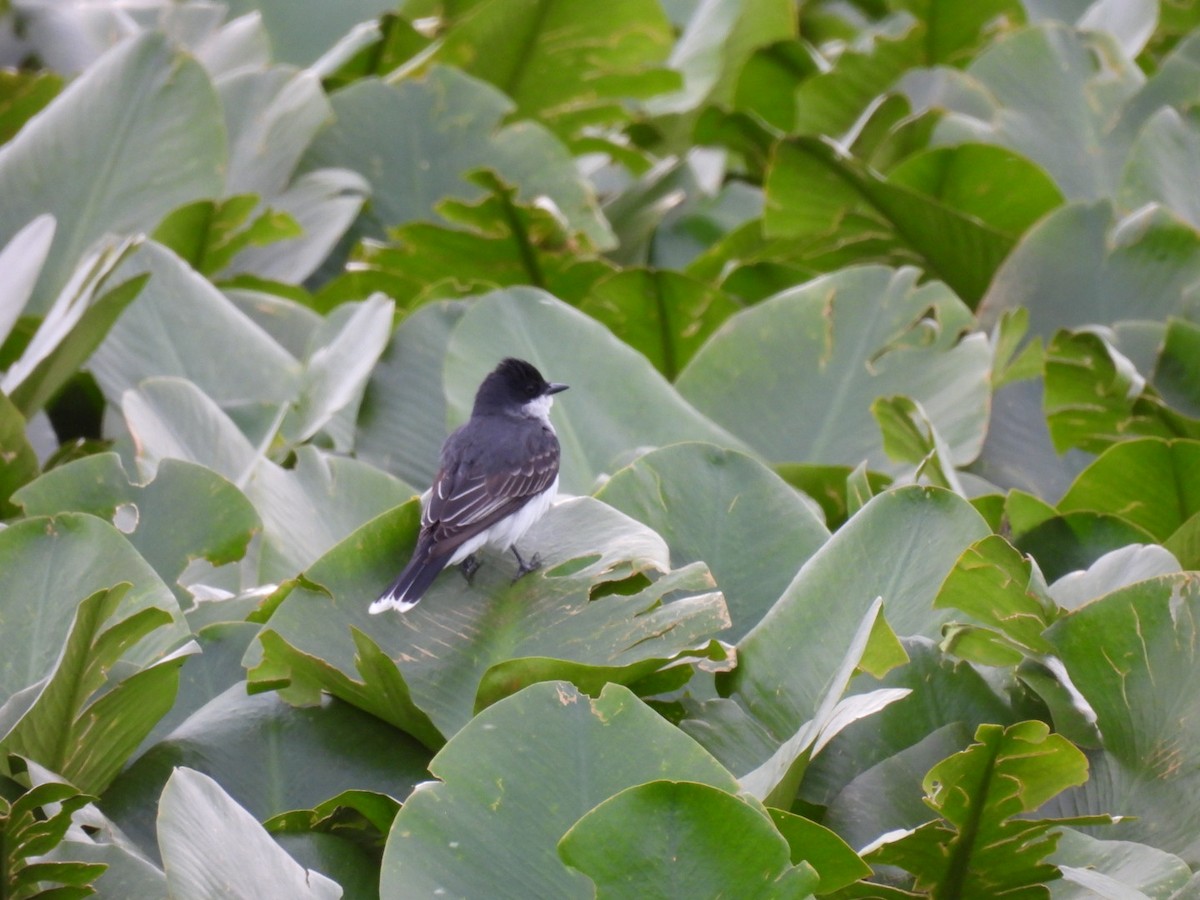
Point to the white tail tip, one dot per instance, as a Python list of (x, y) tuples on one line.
[(386, 602)]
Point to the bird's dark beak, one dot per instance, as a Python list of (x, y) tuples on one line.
[(556, 388)]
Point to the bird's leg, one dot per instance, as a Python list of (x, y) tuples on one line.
[(469, 567), (524, 568)]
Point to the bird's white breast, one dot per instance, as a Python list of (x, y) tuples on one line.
[(508, 531)]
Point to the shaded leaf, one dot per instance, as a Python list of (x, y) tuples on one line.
[(664, 315), (429, 148)]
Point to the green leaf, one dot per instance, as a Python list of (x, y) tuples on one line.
[(446, 649), (147, 120), (840, 490), (497, 242), (839, 866), (209, 233), (208, 842), (822, 352), (909, 436), (73, 328), (722, 525), (1161, 163), (597, 426), (719, 38), (313, 753), (21, 263), (564, 63), (22, 94), (171, 330), (20, 460), (432, 131), (872, 646), (1153, 484), (218, 528), (899, 546), (305, 509), (67, 728), (1095, 397), (517, 777), (345, 349), (999, 587), (669, 839), (32, 824), (812, 187), (1114, 868), (665, 315), (47, 565), (979, 847), (1079, 267), (1055, 95), (402, 420)]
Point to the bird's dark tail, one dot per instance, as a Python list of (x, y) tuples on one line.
[(405, 592)]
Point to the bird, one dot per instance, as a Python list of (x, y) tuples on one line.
[(497, 475)]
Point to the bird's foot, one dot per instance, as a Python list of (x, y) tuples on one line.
[(524, 568), (469, 567)]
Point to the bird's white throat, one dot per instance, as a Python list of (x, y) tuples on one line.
[(539, 408)]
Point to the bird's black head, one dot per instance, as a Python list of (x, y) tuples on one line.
[(513, 383)]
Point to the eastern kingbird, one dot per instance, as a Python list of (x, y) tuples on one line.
[(496, 477)]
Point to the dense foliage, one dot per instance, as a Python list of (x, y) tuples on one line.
[(876, 573)]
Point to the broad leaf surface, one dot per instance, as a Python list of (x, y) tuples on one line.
[(722, 525), (814, 355), (506, 818)]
